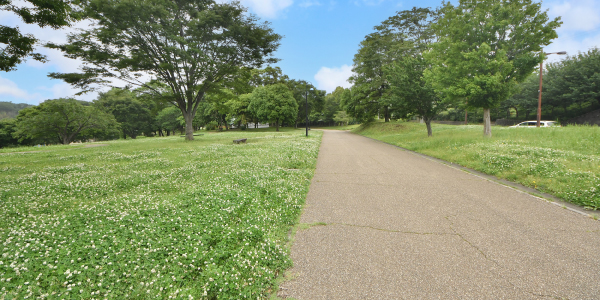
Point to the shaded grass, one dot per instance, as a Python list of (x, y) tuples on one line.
[(562, 161)]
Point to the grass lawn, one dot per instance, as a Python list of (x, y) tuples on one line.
[(153, 218), (562, 161)]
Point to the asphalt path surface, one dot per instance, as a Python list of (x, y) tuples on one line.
[(383, 223)]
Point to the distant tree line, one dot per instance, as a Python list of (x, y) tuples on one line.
[(254, 96)]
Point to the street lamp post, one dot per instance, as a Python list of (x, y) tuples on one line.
[(539, 111), (306, 97)]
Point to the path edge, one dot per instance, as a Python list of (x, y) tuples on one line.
[(503, 182)]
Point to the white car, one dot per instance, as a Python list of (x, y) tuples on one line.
[(534, 124)]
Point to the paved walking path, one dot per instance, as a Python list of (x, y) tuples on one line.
[(400, 226)]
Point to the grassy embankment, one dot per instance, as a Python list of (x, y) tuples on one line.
[(153, 218), (562, 161)]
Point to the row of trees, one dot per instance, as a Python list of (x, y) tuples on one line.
[(472, 55), (255, 96), (571, 88)]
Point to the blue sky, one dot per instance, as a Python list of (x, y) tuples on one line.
[(320, 40)]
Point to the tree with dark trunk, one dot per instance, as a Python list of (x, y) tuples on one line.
[(192, 46), (485, 48), (62, 118), (274, 104)]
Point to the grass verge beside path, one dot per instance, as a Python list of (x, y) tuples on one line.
[(562, 161), (153, 218)]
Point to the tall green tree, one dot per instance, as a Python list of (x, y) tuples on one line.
[(416, 96), (192, 46), (61, 120), (371, 88), (410, 94), (332, 105), (169, 119), (304, 92), (274, 104), (134, 118), (15, 47), (485, 48), (7, 129)]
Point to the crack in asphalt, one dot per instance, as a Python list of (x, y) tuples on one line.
[(469, 242), (310, 225)]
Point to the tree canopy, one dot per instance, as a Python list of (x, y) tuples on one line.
[(16, 46), (134, 118), (485, 48), (192, 46), (274, 103), (61, 120)]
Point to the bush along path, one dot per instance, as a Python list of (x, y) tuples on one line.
[(205, 219)]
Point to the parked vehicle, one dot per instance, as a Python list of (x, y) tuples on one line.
[(534, 124)]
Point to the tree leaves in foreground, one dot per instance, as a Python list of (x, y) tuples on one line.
[(274, 103), (15, 46), (485, 48), (62, 120), (190, 45)]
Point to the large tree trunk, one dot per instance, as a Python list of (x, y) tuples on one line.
[(387, 114), (276, 125), (487, 123), (428, 124), (189, 129)]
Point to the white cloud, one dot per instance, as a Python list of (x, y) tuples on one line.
[(267, 8), (577, 15), (310, 3), (330, 78), (580, 30), (10, 89)]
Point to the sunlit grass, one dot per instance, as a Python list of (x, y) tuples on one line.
[(154, 217), (563, 161)]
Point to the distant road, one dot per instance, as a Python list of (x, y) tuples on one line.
[(400, 226)]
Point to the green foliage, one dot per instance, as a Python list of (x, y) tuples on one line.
[(406, 34), (302, 93), (410, 94), (7, 129), (238, 107), (370, 87), (135, 220), (485, 47), (133, 117), (332, 105), (61, 120), (562, 161), (169, 119), (416, 97), (571, 88), (274, 103), (341, 117), (192, 46), (15, 46)]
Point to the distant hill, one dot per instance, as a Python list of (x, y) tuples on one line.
[(10, 110)]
